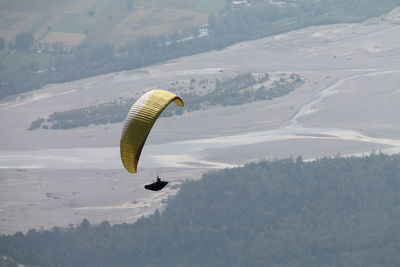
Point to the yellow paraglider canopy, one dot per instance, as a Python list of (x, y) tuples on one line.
[(138, 123)]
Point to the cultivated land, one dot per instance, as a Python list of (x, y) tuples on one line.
[(348, 105), (100, 20)]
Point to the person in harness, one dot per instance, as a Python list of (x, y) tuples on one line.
[(157, 185)]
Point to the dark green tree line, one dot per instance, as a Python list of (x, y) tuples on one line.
[(329, 212), (230, 92)]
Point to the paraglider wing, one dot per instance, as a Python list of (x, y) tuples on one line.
[(138, 123)]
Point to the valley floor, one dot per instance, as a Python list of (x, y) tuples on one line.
[(347, 106)]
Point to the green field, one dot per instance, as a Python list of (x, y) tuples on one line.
[(34, 6), (101, 17), (101, 20)]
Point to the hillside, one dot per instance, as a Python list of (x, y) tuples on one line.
[(330, 212), (86, 38), (88, 21)]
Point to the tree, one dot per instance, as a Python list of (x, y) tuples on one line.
[(57, 46), (6, 262), (174, 37), (24, 41), (45, 47), (84, 226), (129, 4), (2, 43), (91, 13), (212, 21)]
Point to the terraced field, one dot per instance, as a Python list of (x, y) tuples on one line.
[(100, 20)]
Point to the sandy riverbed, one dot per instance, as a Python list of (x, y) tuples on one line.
[(348, 105)]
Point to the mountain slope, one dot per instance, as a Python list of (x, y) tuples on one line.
[(330, 212)]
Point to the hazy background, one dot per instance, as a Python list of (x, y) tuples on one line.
[(261, 80)]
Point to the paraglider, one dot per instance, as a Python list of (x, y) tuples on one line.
[(157, 185), (137, 126)]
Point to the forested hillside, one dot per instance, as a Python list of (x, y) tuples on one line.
[(329, 212), (234, 23)]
